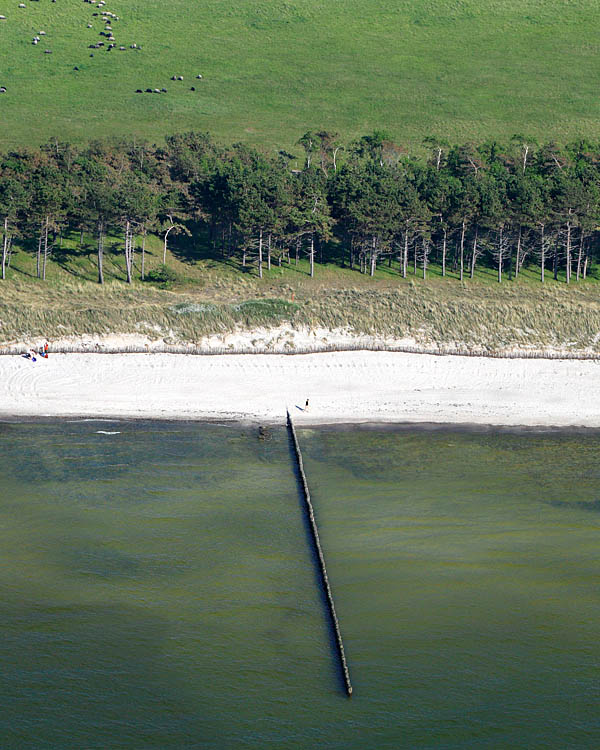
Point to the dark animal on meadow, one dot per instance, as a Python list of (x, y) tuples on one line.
[(91, 54), (198, 76), (138, 91), (180, 78), (193, 88), (148, 91), (2, 89), (164, 91), (76, 68)]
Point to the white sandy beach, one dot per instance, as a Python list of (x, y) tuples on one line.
[(342, 387)]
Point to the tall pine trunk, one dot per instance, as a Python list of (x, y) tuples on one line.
[(462, 248), (39, 253), (260, 254), (373, 256), (128, 243), (101, 252), (45, 250), (543, 256), (143, 252), (444, 250), (569, 227), (4, 247), (500, 254), (474, 253), (518, 260), (579, 255)]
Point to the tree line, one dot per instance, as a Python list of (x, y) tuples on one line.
[(505, 206)]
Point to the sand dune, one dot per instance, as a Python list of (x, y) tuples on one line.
[(342, 387)]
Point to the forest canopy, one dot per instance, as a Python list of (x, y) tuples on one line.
[(361, 204)]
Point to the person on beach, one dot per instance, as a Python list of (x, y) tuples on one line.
[(306, 405), (46, 350), (31, 355)]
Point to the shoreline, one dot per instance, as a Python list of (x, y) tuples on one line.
[(472, 428), (356, 388)]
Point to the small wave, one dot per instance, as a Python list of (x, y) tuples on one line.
[(104, 432), (90, 419)]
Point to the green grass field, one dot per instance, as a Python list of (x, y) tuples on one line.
[(272, 69)]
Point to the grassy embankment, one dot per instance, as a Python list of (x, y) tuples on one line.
[(470, 69), (216, 296)]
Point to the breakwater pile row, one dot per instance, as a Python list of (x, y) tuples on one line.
[(320, 557)]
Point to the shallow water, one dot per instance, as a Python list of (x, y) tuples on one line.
[(157, 588)]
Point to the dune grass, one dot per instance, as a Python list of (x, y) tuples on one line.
[(272, 69), (214, 296)]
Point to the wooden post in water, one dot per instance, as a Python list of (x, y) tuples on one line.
[(321, 559)]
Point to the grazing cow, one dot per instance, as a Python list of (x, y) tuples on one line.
[(47, 51), (138, 91), (193, 88), (199, 76), (164, 91)]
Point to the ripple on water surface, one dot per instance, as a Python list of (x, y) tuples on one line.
[(157, 588)]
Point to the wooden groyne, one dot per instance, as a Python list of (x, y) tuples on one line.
[(321, 559)]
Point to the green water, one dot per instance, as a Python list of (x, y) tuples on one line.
[(157, 589)]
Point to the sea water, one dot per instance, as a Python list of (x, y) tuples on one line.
[(158, 588)]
